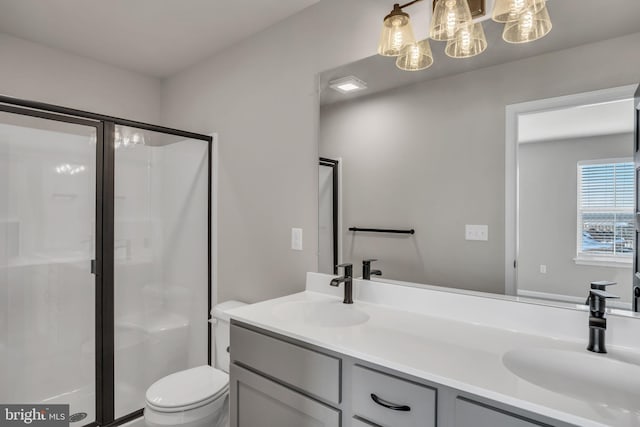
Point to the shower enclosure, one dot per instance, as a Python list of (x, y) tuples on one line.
[(105, 272)]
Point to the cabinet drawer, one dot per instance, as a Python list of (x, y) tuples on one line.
[(257, 401), (360, 423), (471, 414), (392, 391), (314, 373)]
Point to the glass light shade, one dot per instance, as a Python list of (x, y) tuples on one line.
[(396, 33), (530, 26), (448, 17), (510, 10), (416, 56), (470, 41)]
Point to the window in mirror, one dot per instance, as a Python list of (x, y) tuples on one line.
[(605, 211)]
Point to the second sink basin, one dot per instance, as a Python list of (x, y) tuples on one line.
[(321, 313), (608, 380)]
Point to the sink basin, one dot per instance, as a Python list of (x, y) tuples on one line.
[(610, 380), (330, 314)]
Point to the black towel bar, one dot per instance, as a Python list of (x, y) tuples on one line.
[(383, 230)]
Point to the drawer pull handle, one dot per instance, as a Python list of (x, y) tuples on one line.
[(389, 405)]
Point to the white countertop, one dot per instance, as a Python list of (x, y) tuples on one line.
[(460, 354)]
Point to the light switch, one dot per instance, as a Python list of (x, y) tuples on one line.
[(296, 239), (476, 232), (543, 269)]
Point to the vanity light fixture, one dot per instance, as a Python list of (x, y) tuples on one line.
[(396, 32), (469, 41), (525, 21), (529, 26), (69, 169), (509, 10), (347, 84), (416, 56), (449, 16), (125, 138)]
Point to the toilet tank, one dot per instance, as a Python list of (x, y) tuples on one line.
[(221, 321)]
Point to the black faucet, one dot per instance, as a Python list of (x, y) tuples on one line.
[(367, 272), (347, 279), (597, 309)]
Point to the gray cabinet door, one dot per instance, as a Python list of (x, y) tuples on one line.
[(471, 414), (258, 401)]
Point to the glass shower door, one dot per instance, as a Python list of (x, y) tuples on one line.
[(47, 242), (161, 223)]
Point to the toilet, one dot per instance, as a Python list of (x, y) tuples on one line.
[(199, 396)]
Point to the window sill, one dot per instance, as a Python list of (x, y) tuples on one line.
[(604, 262)]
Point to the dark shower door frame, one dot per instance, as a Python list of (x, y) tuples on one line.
[(333, 164), (103, 265)]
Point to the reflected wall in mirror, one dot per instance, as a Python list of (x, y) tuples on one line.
[(426, 150), (575, 197)]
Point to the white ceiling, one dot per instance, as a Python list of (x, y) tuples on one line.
[(606, 118), (154, 37)]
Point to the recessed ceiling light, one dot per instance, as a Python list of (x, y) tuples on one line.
[(347, 84)]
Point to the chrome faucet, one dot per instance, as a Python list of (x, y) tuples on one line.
[(597, 310), (347, 279), (367, 272)]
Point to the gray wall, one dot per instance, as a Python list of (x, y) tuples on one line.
[(36, 72), (548, 220), (449, 133), (261, 97)]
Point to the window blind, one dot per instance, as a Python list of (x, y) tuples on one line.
[(606, 195)]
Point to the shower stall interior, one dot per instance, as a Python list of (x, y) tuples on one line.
[(105, 262)]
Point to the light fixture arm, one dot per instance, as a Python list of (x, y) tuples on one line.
[(410, 3)]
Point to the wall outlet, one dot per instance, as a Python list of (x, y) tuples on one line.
[(476, 232), (543, 269), (296, 239)]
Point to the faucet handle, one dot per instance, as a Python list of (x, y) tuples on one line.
[(602, 284), (348, 269), (369, 261), (597, 301)]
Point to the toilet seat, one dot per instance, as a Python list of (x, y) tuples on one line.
[(189, 389)]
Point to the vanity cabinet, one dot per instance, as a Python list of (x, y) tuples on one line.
[(280, 382)]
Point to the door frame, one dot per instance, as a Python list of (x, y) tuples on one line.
[(635, 288)]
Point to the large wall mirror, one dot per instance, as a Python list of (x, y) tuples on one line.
[(513, 169)]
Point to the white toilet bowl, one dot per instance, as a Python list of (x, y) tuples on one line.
[(196, 397)]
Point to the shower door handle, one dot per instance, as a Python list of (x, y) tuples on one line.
[(93, 266)]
